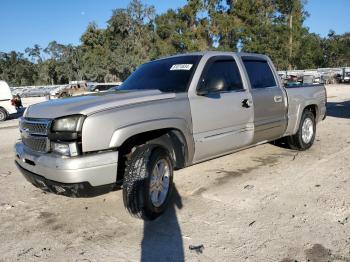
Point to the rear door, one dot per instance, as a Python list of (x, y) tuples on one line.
[(270, 105), (222, 121)]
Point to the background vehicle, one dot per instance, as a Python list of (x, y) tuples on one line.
[(74, 88), (346, 75), (97, 87), (7, 106), (169, 114)]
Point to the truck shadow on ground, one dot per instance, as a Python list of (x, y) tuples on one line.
[(162, 238), (338, 109)]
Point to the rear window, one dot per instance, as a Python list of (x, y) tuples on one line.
[(259, 73)]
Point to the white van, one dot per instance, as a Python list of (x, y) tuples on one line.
[(6, 107)]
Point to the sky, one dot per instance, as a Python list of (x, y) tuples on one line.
[(24, 23)]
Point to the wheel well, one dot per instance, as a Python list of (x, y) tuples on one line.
[(2, 108), (313, 109), (171, 139)]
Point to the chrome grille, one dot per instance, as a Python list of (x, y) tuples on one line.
[(36, 127), (34, 134), (40, 144)]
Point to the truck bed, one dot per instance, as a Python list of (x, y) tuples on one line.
[(298, 97)]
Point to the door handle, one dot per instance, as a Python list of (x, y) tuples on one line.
[(277, 99), (246, 103)]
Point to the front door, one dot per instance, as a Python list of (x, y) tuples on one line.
[(223, 119)]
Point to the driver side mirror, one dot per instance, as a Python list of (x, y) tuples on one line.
[(212, 86)]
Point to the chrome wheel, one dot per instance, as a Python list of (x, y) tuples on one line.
[(307, 130), (159, 183)]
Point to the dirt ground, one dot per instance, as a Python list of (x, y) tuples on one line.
[(266, 203)]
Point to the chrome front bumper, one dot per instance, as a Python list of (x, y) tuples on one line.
[(96, 168)]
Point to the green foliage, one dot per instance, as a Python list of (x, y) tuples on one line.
[(136, 34)]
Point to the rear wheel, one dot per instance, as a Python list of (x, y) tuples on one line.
[(3, 114), (148, 182), (305, 136)]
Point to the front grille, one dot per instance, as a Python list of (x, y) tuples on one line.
[(36, 127), (37, 143), (34, 134)]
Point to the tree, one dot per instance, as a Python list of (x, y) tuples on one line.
[(34, 53), (135, 34), (337, 49), (130, 38), (293, 14), (183, 30), (310, 53), (93, 54)]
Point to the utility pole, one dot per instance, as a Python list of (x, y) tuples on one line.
[(290, 39)]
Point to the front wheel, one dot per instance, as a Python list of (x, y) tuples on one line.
[(148, 182), (3, 114), (305, 136)]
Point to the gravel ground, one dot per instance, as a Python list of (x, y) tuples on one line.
[(266, 203)]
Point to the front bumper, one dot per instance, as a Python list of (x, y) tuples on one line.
[(83, 189), (89, 171)]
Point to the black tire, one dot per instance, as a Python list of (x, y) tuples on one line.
[(3, 114), (296, 141), (137, 178)]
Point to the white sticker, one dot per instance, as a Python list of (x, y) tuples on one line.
[(181, 67)]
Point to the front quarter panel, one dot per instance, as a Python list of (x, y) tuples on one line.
[(109, 129)]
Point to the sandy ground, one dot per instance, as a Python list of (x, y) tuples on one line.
[(262, 204)]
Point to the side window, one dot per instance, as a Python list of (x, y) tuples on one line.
[(225, 71), (259, 73)]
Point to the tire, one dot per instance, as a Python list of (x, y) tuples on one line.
[(3, 114), (300, 142), (139, 178)]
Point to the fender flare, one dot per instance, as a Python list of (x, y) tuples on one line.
[(300, 111), (124, 133)]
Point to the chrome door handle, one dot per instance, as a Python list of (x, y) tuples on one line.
[(277, 99)]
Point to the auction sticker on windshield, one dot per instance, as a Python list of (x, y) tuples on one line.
[(181, 67)]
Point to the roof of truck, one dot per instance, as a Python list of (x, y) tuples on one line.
[(217, 53)]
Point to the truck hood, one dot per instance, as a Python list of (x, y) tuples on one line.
[(92, 103)]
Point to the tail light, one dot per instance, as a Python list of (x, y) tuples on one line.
[(13, 102)]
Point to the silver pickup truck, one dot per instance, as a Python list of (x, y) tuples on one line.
[(169, 114)]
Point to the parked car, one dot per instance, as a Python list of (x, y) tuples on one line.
[(346, 75), (311, 79), (75, 88), (97, 87), (169, 114), (7, 102)]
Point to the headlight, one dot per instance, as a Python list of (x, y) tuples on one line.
[(72, 123), (26, 112), (65, 149)]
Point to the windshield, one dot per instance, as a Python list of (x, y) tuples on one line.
[(167, 75)]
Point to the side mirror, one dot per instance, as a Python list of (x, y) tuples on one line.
[(211, 87)]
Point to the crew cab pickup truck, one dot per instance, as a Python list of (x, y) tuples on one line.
[(169, 114)]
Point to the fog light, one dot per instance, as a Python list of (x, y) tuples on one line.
[(65, 149)]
